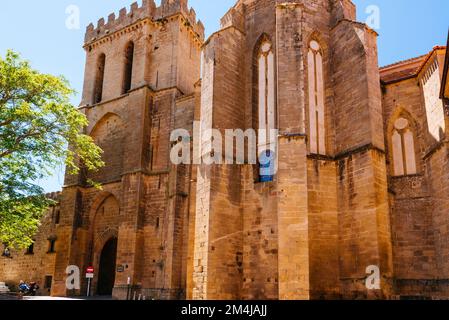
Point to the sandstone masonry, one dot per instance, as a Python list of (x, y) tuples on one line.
[(363, 161)]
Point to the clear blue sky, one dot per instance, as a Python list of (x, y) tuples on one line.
[(37, 29)]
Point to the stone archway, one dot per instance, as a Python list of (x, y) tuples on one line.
[(104, 242), (107, 264)]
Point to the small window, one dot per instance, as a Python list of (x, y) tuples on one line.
[(30, 249), (128, 68), (99, 79), (48, 281), (51, 245), (57, 217)]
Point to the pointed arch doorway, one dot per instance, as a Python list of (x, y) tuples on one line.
[(106, 275)]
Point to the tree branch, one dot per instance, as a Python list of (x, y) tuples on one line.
[(31, 133), (7, 122)]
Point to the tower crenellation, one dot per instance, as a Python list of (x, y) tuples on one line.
[(148, 10)]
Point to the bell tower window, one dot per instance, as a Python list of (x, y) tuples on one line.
[(128, 68), (99, 79)]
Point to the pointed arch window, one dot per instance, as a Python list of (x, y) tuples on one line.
[(317, 133), (266, 111), (403, 145), (128, 68), (99, 79)]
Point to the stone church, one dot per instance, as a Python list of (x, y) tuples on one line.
[(363, 161)]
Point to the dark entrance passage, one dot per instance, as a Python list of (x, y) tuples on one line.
[(106, 277)]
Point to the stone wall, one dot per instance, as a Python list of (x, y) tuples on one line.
[(36, 265), (214, 231), (218, 236), (416, 202)]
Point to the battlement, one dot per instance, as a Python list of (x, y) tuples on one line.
[(148, 9)]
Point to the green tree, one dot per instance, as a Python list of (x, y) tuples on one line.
[(37, 123)]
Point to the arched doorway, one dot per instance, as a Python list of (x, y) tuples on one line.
[(106, 276)]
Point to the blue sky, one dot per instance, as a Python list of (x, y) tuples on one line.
[(37, 29)]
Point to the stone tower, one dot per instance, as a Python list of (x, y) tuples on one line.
[(140, 75), (308, 69), (358, 192)]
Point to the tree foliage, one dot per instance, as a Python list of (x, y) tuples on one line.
[(37, 124)]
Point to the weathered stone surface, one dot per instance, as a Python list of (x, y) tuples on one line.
[(214, 231)]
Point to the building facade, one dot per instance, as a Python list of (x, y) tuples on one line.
[(361, 179)]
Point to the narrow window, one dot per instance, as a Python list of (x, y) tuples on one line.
[(51, 245), (99, 79), (57, 217), (48, 281), (403, 145), (128, 70), (317, 134), (30, 249), (266, 112), (398, 158)]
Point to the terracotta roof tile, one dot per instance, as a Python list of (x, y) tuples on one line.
[(405, 69)]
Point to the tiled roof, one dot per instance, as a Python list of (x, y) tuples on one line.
[(405, 69), (403, 62), (401, 70)]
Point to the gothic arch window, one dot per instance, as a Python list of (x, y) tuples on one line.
[(99, 79), (317, 130), (403, 147), (266, 111), (128, 68)]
